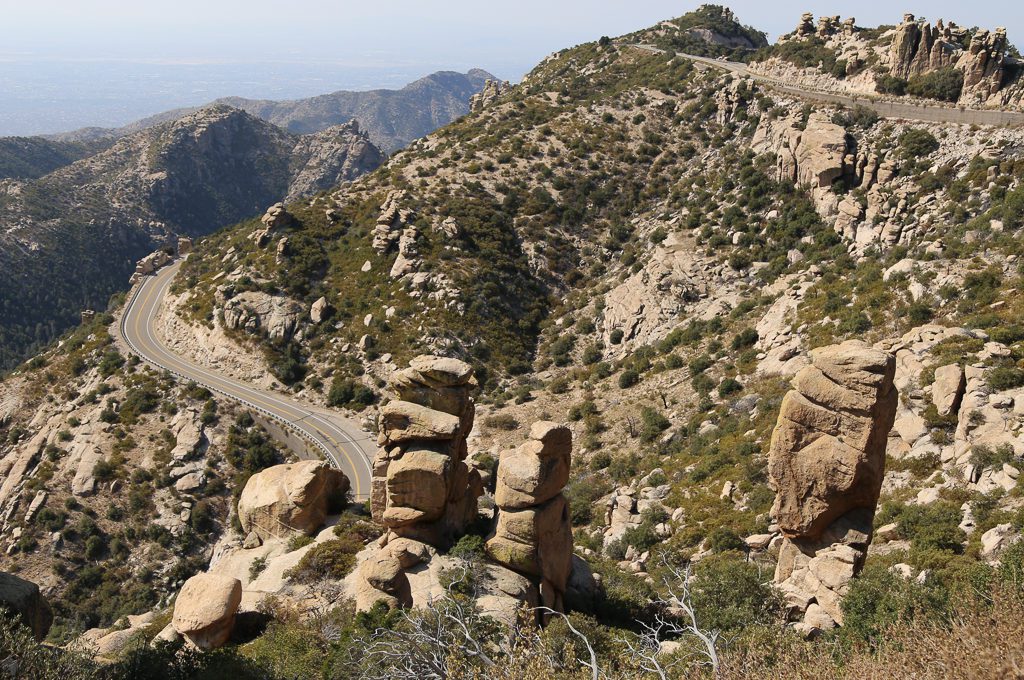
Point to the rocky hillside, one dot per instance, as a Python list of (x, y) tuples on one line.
[(942, 61), (71, 237), (391, 118), (28, 158), (756, 361)]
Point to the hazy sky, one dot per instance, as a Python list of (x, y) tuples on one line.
[(504, 37), (69, 63)]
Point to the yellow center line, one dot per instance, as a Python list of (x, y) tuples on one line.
[(226, 386)]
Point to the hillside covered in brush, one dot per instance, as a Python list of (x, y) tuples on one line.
[(665, 258)]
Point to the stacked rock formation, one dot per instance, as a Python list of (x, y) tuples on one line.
[(826, 465), (286, 500), (984, 63), (204, 612), (533, 535), (276, 218), (918, 48), (392, 222), (422, 490), (422, 487)]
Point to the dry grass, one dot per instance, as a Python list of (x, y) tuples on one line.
[(974, 645)]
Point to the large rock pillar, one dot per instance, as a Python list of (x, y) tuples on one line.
[(826, 464)]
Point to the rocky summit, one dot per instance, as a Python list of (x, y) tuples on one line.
[(686, 355)]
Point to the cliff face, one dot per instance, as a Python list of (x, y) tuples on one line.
[(919, 48), (70, 237)]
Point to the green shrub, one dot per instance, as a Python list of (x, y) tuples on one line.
[(917, 142), (987, 457), (887, 84), (469, 547), (628, 378), (730, 594), (729, 386), (298, 542), (944, 84), (745, 338), (652, 424), (501, 421), (879, 599), (701, 363), (1005, 378), (348, 393), (332, 559), (722, 539)]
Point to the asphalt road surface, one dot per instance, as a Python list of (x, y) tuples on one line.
[(883, 107), (340, 440)]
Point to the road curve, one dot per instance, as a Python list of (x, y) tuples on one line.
[(883, 107), (340, 440)]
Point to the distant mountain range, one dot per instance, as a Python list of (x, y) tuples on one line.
[(391, 118), (78, 209)]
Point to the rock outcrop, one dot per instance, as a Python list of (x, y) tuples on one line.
[(422, 488), (257, 312), (286, 500), (813, 155), (277, 218), (204, 612), (23, 598), (493, 89), (391, 222), (826, 465), (533, 535), (425, 494), (919, 48)]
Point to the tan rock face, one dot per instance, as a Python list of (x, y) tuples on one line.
[(285, 500), (948, 389), (422, 487), (533, 535), (205, 609), (23, 598), (827, 454), (826, 465)]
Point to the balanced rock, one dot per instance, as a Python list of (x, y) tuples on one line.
[(285, 500), (827, 454), (826, 464), (204, 612), (23, 598), (422, 487), (533, 534)]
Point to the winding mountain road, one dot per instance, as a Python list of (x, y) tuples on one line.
[(883, 107), (339, 439)]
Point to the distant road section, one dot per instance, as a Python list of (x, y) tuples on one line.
[(340, 440), (883, 107)]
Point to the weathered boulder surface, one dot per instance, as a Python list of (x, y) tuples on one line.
[(948, 388), (827, 453), (285, 500), (826, 465), (23, 598), (533, 535), (257, 312), (422, 487), (204, 612)]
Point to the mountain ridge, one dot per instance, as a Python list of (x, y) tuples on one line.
[(443, 95)]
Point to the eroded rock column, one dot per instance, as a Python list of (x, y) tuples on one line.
[(422, 490), (826, 465), (533, 534)]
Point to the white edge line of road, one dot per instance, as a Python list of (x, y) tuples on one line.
[(287, 424)]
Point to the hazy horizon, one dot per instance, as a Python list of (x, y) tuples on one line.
[(66, 65)]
